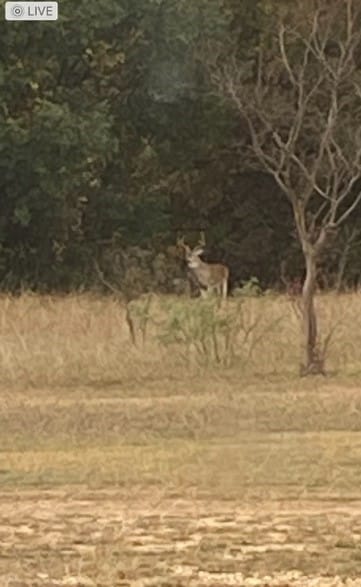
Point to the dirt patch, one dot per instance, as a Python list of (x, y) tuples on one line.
[(110, 539)]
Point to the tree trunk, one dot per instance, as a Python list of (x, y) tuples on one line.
[(313, 361)]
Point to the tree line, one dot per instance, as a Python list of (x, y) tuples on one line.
[(126, 125)]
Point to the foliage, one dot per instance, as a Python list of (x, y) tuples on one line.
[(249, 288), (112, 138), (205, 333)]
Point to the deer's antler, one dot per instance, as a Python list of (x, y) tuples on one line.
[(202, 239), (181, 243)]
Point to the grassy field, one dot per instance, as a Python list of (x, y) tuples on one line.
[(84, 340), (196, 456)]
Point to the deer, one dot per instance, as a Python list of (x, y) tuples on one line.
[(211, 276)]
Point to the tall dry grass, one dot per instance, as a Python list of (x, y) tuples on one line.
[(84, 339)]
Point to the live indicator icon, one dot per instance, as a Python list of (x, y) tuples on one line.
[(31, 10)]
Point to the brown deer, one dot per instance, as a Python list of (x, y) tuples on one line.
[(211, 276)]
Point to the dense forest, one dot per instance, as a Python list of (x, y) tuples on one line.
[(118, 138)]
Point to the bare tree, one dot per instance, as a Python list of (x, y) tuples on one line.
[(301, 101)]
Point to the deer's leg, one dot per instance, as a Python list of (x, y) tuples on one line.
[(214, 289), (224, 288)]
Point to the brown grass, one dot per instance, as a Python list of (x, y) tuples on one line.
[(82, 405), (81, 339), (217, 454)]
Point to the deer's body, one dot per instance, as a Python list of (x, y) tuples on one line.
[(211, 276)]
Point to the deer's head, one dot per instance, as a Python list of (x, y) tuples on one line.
[(192, 256)]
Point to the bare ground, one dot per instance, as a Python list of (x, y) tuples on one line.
[(113, 539)]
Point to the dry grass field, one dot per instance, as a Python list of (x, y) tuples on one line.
[(196, 456)]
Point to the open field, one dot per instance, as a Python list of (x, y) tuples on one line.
[(124, 465), (159, 486)]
